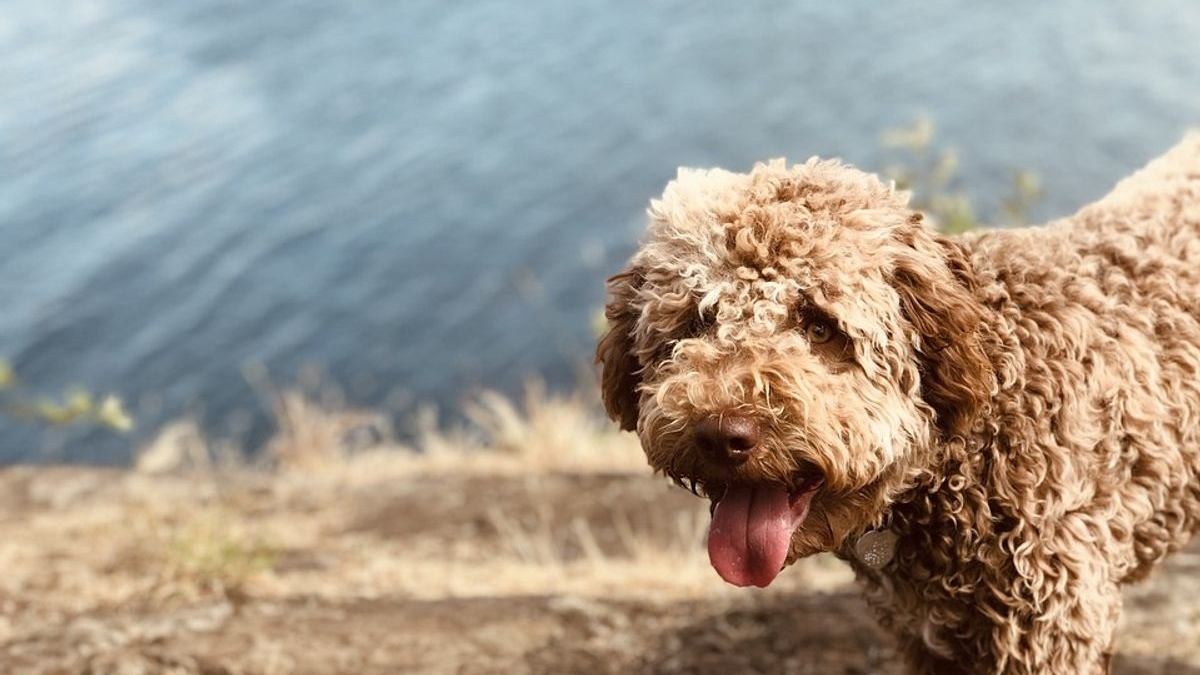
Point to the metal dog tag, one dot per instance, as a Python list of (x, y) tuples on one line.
[(876, 548)]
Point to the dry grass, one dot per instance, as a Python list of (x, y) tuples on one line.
[(192, 523), (543, 434), (109, 572)]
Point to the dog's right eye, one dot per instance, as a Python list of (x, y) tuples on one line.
[(819, 331), (825, 338)]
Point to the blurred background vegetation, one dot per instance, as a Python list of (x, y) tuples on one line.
[(930, 172), (76, 405)]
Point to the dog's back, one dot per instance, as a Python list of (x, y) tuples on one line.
[(1104, 308)]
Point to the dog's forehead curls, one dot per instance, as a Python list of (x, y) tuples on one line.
[(791, 342)]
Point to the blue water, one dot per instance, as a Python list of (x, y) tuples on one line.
[(420, 197)]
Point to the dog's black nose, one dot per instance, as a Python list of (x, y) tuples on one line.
[(727, 439)]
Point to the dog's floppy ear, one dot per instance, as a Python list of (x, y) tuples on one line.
[(937, 296), (621, 372)]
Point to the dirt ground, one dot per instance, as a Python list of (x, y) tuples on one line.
[(372, 569)]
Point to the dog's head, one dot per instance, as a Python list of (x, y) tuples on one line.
[(792, 343)]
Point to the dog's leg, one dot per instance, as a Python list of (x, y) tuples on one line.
[(1077, 633), (1050, 648), (1061, 619), (922, 661)]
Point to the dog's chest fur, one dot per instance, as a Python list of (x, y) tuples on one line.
[(1084, 472)]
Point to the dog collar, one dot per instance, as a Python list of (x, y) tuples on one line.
[(876, 548)]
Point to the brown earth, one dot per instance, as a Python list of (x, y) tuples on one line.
[(367, 568)]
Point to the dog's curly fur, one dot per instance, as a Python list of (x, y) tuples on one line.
[(1021, 407)]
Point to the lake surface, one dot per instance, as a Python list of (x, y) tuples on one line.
[(421, 197)]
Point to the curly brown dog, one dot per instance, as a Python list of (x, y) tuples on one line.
[(996, 430)]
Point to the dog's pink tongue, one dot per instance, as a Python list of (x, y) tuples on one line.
[(750, 534)]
